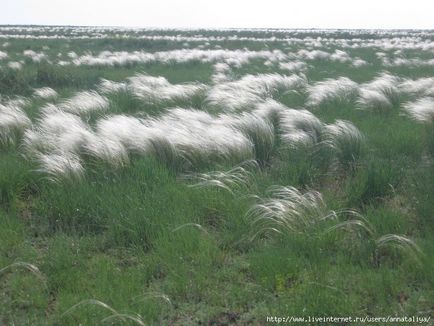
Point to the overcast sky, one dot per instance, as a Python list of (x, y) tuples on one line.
[(222, 13)]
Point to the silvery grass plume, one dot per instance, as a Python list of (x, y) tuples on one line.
[(260, 130), (246, 92), (235, 58), (85, 102), (287, 210), (201, 137), (35, 56), (340, 56), (357, 62), (45, 93), (157, 90), (373, 100), (421, 110), (13, 122), (18, 101), (221, 73), (55, 141), (412, 62), (72, 55), (107, 150), (345, 141), (60, 166), (235, 180), (129, 131), (342, 89), (57, 130), (120, 134), (15, 65), (3, 55), (381, 94), (313, 55), (293, 66), (271, 110), (421, 86), (232, 96), (300, 127), (59, 140), (108, 86), (181, 134), (337, 56)]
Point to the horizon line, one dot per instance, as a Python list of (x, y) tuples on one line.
[(222, 28)]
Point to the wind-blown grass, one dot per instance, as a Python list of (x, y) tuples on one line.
[(259, 130), (115, 315), (341, 89), (45, 93), (381, 94), (418, 87), (85, 102), (155, 90), (288, 210), (13, 123), (300, 127), (346, 141), (233, 180), (251, 89), (422, 110), (23, 265)]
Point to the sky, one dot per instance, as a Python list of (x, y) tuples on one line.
[(222, 13)]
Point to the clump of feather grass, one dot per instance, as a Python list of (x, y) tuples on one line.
[(345, 141), (342, 89), (418, 87), (23, 265), (245, 93), (300, 127), (85, 102), (381, 94), (401, 243), (287, 210), (235, 180), (55, 141), (258, 129), (421, 110), (60, 166), (137, 319), (109, 87), (156, 90), (182, 138), (13, 123), (45, 93), (381, 244)]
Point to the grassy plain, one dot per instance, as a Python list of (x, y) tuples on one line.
[(155, 250)]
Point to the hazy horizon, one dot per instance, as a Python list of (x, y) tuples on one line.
[(194, 14), (214, 28)]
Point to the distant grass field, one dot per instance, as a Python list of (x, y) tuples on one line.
[(214, 177)]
